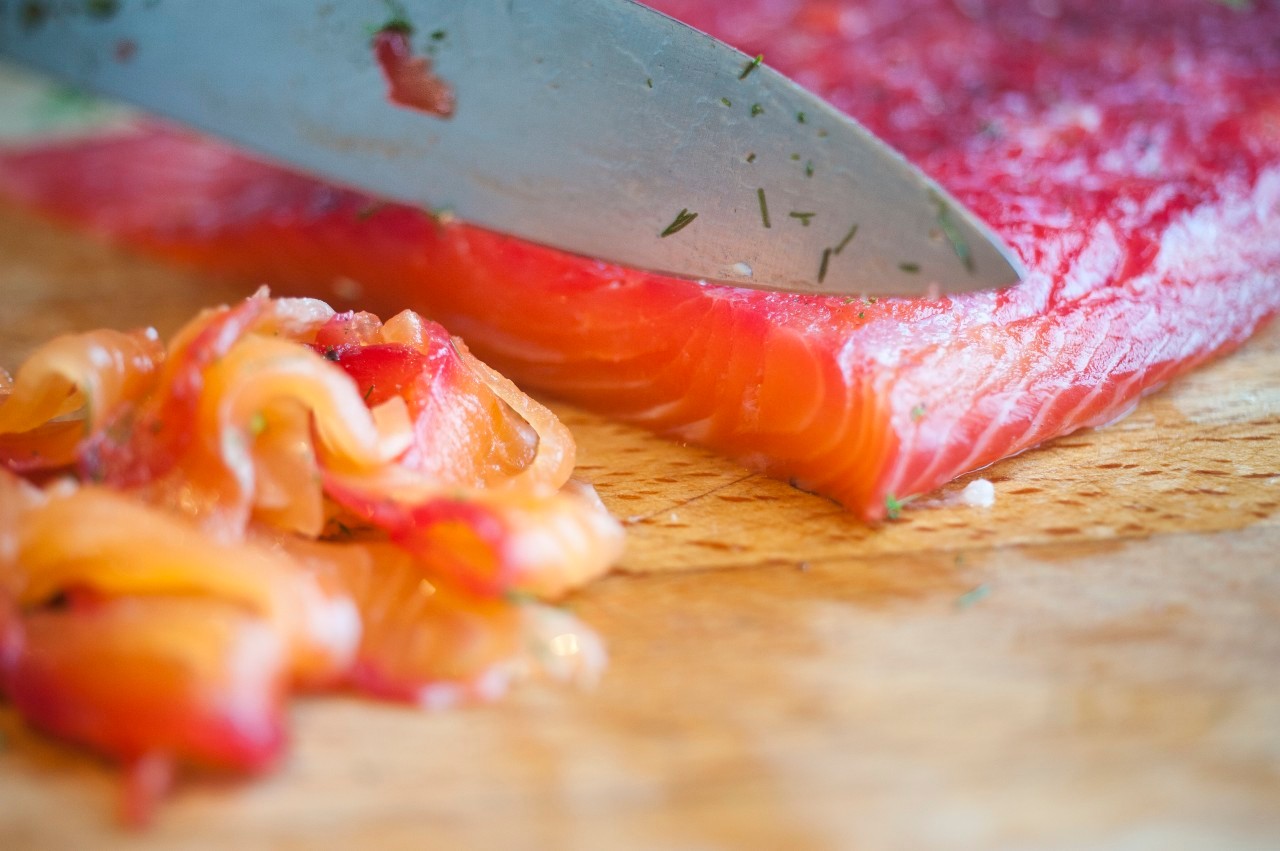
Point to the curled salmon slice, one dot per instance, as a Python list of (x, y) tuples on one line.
[(436, 644), (152, 682), (493, 543), (282, 499), (105, 542)]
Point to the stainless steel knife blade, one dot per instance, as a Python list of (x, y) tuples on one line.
[(596, 126)]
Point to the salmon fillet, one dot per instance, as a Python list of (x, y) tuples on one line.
[(1128, 151)]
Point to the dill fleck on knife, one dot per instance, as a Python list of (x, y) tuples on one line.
[(102, 9), (682, 220), (848, 237), (803, 217), (764, 207), (953, 234), (822, 269), (751, 66), (399, 20)]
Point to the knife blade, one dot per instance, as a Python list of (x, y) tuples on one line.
[(600, 127)]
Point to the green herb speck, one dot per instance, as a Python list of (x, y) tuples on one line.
[(399, 20), (648, 81), (822, 268), (808, 169), (438, 35), (682, 220), (764, 207), (954, 236), (257, 423), (848, 237), (910, 268), (726, 101), (800, 117), (795, 158), (751, 66), (803, 217), (892, 506), (756, 109), (751, 157), (394, 25), (101, 9), (917, 412)]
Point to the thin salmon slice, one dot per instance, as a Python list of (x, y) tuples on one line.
[(1128, 150)]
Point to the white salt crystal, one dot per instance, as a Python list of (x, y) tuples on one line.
[(979, 493)]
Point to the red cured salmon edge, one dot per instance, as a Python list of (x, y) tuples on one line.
[(1130, 152)]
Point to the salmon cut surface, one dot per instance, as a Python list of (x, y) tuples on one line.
[(1129, 152)]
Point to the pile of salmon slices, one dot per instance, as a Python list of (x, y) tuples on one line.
[(283, 499)]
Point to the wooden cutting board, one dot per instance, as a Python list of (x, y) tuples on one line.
[(1093, 662)]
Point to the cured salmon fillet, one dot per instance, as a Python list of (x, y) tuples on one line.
[(1129, 151)]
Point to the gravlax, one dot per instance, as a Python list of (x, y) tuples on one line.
[(1128, 151)]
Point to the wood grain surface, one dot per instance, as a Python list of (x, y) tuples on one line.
[(1092, 662)]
